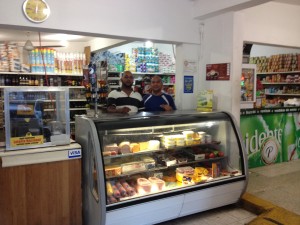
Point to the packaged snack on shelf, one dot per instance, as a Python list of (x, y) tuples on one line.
[(112, 170)]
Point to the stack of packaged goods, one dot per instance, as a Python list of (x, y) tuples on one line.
[(50, 61), (132, 60), (146, 60), (3, 57), (41, 60), (116, 62), (276, 63), (69, 63), (14, 58), (126, 62), (152, 60), (140, 60), (166, 63)]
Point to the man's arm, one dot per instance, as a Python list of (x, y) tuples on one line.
[(113, 109)]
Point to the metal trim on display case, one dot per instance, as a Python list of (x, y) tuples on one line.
[(85, 128)]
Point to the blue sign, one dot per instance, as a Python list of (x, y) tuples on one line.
[(188, 83)]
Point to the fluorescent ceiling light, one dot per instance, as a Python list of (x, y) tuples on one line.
[(59, 37), (149, 44), (64, 43)]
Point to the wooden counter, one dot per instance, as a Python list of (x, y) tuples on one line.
[(38, 192)]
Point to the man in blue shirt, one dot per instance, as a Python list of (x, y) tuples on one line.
[(158, 100)]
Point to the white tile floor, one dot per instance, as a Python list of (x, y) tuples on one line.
[(227, 215), (278, 184)]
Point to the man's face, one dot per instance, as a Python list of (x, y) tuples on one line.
[(127, 80), (156, 84)]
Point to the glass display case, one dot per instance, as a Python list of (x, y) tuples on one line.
[(36, 117), (162, 166)]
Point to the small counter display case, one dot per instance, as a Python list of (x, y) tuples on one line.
[(149, 168), (36, 117)]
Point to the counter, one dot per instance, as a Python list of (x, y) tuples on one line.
[(271, 135), (40, 155), (41, 186)]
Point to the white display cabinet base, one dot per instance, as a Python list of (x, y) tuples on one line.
[(211, 198), (147, 213), (177, 206)]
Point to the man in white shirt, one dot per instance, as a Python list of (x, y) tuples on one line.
[(125, 99)]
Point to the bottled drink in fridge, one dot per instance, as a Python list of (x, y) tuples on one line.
[(288, 138), (297, 123)]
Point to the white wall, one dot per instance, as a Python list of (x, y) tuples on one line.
[(204, 9), (186, 101), (220, 44), (266, 50), (272, 23), (167, 20)]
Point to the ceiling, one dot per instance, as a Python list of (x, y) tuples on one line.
[(292, 2), (23, 35)]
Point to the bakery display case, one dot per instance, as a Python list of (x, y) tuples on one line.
[(36, 117), (148, 168)]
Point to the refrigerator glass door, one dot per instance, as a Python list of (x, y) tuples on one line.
[(149, 157)]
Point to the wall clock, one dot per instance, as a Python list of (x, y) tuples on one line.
[(36, 11)]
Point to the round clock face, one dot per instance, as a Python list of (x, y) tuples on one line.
[(36, 10)]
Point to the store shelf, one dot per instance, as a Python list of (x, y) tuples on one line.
[(161, 168), (281, 83), (270, 73), (77, 109), (280, 94), (113, 78), (147, 73), (71, 87), (40, 74), (74, 87), (78, 100), (114, 86)]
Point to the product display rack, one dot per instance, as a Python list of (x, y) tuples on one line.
[(280, 86), (163, 166)]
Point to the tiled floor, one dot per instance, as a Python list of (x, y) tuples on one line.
[(279, 184), (228, 215)]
